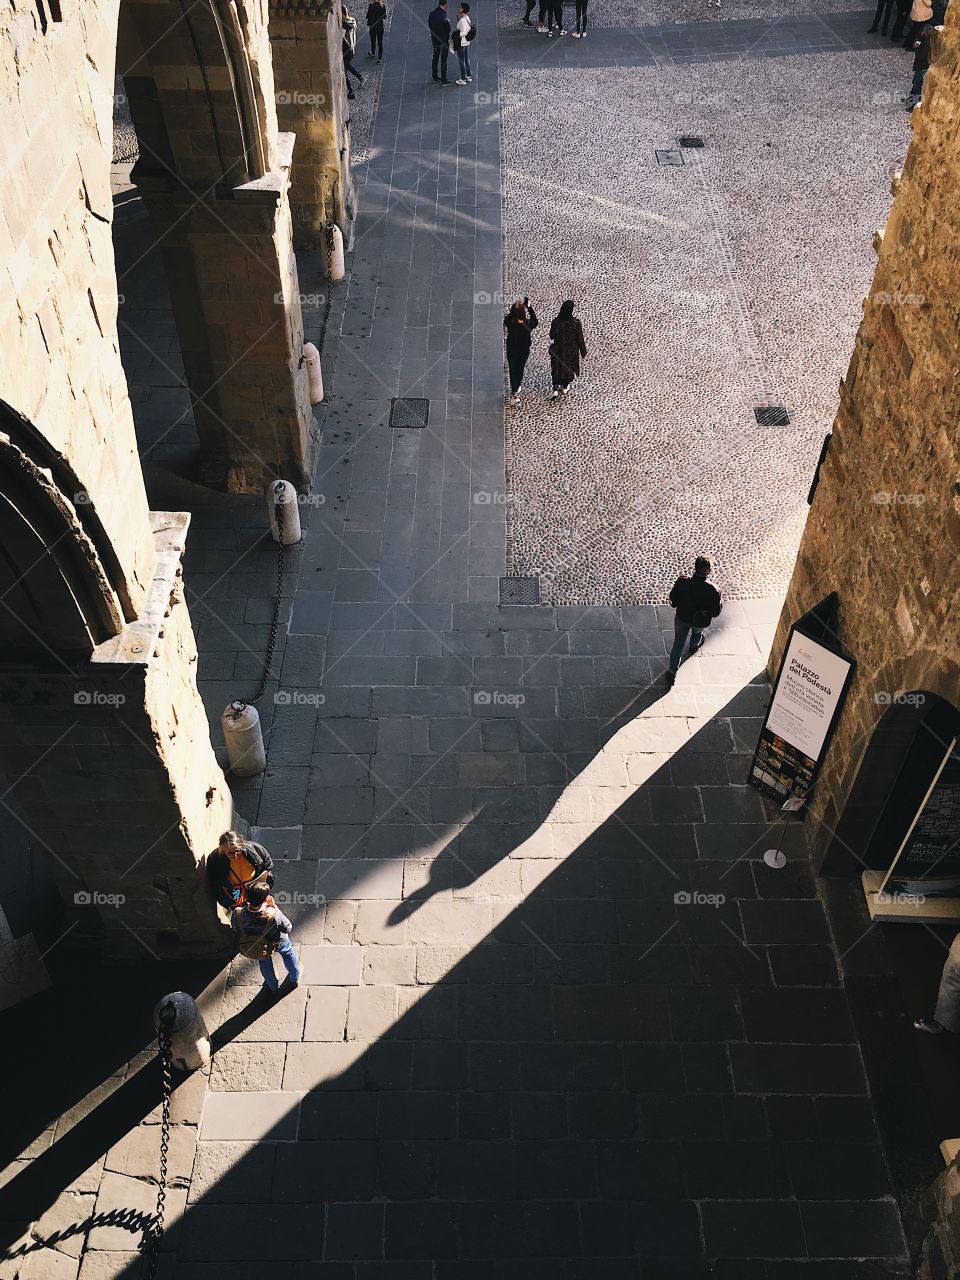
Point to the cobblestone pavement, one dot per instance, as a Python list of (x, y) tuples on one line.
[(706, 289), (689, 13), (558, 1020)]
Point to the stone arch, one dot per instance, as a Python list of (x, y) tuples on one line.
[(915, 714), (60, 580), (213, 172)]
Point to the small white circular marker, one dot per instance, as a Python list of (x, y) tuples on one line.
[(775, 858)]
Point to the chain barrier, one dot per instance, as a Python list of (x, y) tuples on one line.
[(166, 1062), (240, 703)]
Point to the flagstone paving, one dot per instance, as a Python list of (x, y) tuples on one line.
[(558, 1018)]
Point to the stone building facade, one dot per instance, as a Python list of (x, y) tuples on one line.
[(884, 526), (104, 742)]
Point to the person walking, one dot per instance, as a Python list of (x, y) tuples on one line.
[(262, 931), (921, 65), (439, 25), (567, 348), (234, 866), (697, 603), (464, 33), (348, 47), (376, 17), (581, 31), (519, 323)]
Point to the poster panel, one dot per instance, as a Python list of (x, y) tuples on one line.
[(928, 861), (806, 700)]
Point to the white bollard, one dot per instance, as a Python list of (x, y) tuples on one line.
[(311, 358), (282, 493), (189, 1038), (335, 267), (241, 732)]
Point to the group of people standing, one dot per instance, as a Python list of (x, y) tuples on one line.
[(551, 15), (913, 24), (460, 36), (567, 347)]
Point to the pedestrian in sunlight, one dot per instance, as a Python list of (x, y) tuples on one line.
[(348, 48), (519, 323), (262, 931), (567, 349), (697, 603)]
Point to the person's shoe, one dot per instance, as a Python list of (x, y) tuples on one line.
[(670, 677), (446, 82), (469, 79), (268, 991), (379, 60), (930, 1025), (554, 394), (561, 32), (565, 390), (461, 82), (575, 34), (549, 35), (583, 35), (541, 28), (695, 648), (514, 400)]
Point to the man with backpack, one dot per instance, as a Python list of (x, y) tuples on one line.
[(262, 930), (697, 603)]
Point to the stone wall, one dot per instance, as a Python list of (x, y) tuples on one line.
[(884, 528), (311, 102), (59, 356), (940, 1253)]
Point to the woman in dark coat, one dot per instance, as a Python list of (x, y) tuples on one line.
[(519, 323), (567, 348)]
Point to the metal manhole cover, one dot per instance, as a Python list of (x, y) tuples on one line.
[(409, 412), (691, 142), (772, 415), (519, 590), (669, 157)]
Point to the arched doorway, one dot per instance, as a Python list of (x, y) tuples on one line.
[(905, 751)]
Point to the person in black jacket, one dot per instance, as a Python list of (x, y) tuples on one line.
[(234, 865), (697, 603), (376, 16), (439, 25), (519, 323), (885, 10)]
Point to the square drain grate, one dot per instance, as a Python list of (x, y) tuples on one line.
[(669, 157), (691, 142), (772, 415), (519, 590), (407, 412)]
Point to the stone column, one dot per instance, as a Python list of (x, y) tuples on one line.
[(310, 92), (109, 760), (236, 301)]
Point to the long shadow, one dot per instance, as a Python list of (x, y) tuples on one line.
[(647, 1069)]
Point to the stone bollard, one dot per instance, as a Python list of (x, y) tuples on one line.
[(244, 740), (282, 493), (189, 1038), (311, 358), (335, 267)]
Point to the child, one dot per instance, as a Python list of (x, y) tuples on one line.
[(262, 929)]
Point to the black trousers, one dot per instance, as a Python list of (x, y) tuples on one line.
[(376, 41), (441, 52), (881, 19), (902, 19), (516, 363), (581, 15), (555, 14), (530, 4)]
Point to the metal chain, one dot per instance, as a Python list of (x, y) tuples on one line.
[(275, 623), (166, 1062)]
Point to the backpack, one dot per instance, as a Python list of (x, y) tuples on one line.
[(472, 32), (258, 944)]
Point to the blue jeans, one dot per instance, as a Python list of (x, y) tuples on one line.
[(681, 630), (289, 956), (463, 53)]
